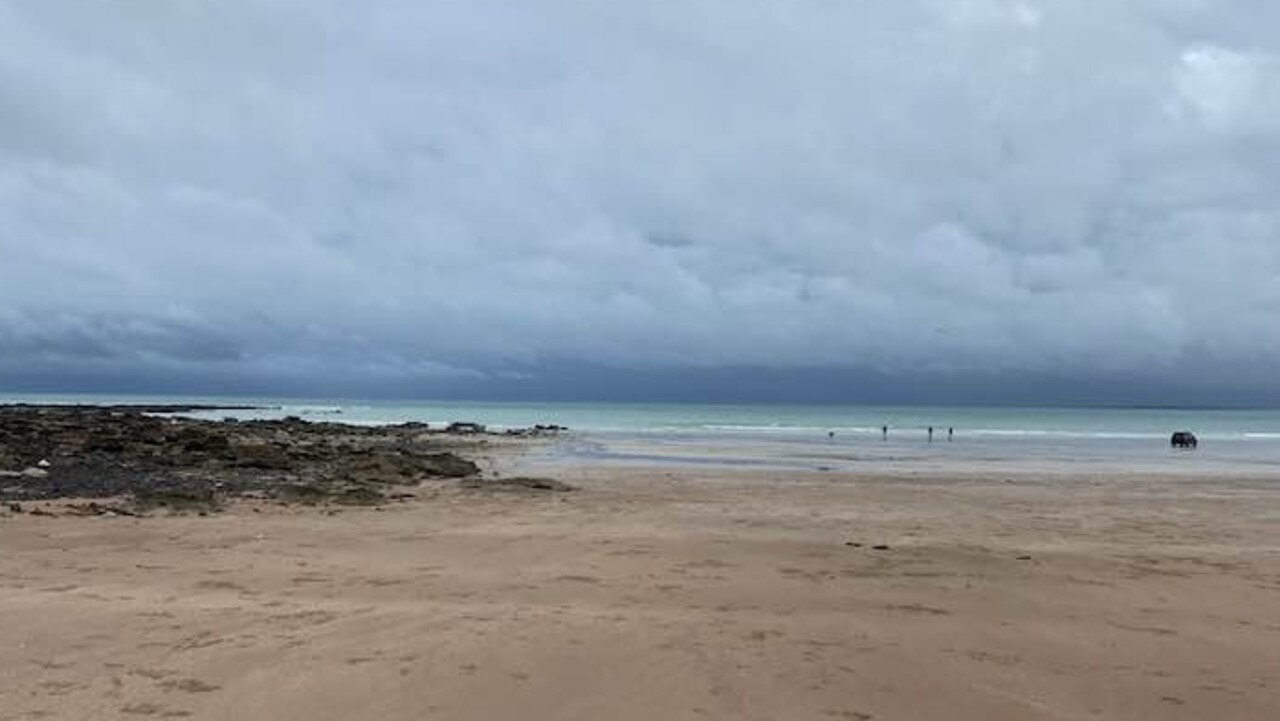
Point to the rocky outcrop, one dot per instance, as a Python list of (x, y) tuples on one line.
[(49, 452)]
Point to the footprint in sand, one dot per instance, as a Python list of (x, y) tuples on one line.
[(708, 563), (60, 688), (918, 609), (151, 709), (222, 586), (155, 674), (189, 685), (198, 641)]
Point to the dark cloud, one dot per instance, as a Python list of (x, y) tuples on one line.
[(394, 196)]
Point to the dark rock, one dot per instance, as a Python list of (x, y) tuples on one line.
[(197, 440), (519, 483), (105, 444), (308, 494), (377, 470), (313, 494), (539, 430), (401, 468), (360, 496), (880, 547), (464, 427), (266, 456), (448, 465)]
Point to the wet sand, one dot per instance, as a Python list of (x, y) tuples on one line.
[(664, 593)]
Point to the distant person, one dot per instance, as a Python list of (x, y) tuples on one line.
[(951, 432), (831, 434), (931, 434), (884, 432)]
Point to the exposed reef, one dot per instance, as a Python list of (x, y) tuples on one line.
[(148, 459)]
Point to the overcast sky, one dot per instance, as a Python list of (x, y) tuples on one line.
[(1017, 200)]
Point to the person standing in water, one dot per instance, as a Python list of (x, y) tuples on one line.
[(950, 434), (884, 433), (931, 434)]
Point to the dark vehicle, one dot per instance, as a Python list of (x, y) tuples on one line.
[(1183, 439)]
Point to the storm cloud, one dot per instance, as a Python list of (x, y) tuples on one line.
[(529, 197)]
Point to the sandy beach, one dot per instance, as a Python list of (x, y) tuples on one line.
[(662, 592)]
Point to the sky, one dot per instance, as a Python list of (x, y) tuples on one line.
[(1004, 201)]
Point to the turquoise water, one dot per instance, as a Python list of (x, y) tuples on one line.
[(835, 437), (766, 420)]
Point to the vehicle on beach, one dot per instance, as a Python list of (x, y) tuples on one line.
[(1183, 439)]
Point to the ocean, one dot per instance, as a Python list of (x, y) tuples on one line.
[(835, 437)]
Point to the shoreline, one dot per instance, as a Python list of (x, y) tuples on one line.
[(874, 457)]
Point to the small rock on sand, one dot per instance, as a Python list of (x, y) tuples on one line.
[(517, 484)]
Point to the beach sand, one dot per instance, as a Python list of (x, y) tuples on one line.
[(664, 593)]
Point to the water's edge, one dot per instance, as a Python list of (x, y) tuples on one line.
[(836, 438)]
